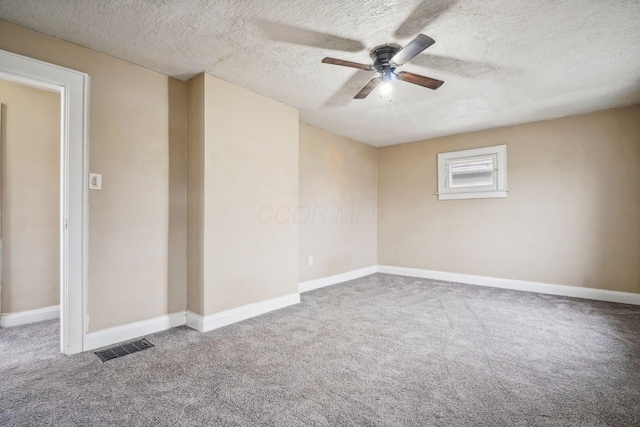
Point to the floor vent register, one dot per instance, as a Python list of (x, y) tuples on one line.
[(123, 350)]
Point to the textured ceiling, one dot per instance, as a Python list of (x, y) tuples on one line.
[(503, 61)]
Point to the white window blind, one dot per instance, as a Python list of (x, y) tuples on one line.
[(472, 172)]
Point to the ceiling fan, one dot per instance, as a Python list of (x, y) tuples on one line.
[(386, 58)]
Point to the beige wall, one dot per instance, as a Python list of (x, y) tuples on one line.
[(30, 197), (250, 161), (195, 195), (571, 216), (177, 233), (338, 215), (129, 137)]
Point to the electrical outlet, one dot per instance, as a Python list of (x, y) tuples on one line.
[(310, 260)]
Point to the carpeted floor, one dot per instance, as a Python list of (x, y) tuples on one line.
[(381, 350)]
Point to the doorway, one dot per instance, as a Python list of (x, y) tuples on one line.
[(29, 208), (73, 88)]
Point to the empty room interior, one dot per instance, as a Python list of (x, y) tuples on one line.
[(380, 213)]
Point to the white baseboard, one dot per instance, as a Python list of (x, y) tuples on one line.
[(8, 320), (227, 317), (195, 321), (130, 331), (110, 336), (338, 278), (519, 285)]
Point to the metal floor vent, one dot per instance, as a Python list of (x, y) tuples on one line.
[(123, 350)]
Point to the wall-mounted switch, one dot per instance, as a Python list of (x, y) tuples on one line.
[(95, 181), (310, 260)]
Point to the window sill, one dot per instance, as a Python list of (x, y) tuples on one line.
[(474, 195)]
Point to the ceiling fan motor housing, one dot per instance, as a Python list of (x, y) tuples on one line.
[(381, 55)]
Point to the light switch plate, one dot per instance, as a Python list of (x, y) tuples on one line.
[(95, 181)]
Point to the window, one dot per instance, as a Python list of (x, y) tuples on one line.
[(473, 174)]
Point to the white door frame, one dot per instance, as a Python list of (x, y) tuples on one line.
[(73, 87)]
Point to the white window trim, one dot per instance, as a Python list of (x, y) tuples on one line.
[(482, 192)]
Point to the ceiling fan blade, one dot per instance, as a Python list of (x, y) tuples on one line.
[(335, 61), (366, 90), (419, 80), (285, 33), (462, 67), (423, 15), (414, 47), (342, 96)]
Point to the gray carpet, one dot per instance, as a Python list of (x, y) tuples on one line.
[(381, 350)]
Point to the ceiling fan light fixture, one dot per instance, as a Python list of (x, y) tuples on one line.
[(385, 88)]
